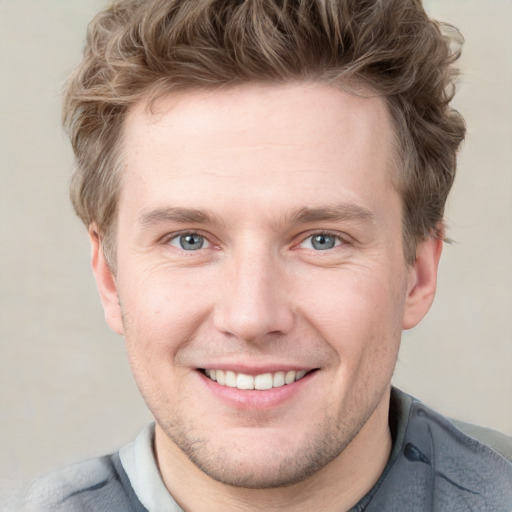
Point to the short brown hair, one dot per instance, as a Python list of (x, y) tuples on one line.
[(146, 48)]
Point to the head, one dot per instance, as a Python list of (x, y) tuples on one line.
[(264, 185)]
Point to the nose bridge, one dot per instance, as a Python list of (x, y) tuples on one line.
[(254, 301)]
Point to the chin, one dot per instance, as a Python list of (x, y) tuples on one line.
[(250, 474), (268, 464)]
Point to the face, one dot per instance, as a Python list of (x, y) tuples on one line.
[(261, 284)]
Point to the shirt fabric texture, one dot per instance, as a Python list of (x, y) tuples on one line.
[(433, 466)]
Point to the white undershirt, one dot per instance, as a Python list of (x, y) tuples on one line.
[(139, 462)]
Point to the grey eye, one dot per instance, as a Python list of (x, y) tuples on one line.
[(321, 242), (188, 242)]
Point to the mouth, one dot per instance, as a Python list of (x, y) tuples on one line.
[(260, 382)]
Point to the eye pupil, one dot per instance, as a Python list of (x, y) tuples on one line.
[(191, 242), (323, 242)]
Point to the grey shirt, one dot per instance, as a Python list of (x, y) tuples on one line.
[(433, 466)]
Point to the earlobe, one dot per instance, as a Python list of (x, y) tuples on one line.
[(422, 281), (105, 281)]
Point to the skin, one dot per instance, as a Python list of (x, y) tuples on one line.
[(267, 168)]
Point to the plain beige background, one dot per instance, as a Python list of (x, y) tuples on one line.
[(66, 392)]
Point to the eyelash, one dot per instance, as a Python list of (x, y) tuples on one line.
[(340, 240), (175, 236)]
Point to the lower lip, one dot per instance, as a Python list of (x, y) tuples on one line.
[(256, 399)]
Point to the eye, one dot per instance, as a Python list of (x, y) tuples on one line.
[(321, 242), (189, 242)]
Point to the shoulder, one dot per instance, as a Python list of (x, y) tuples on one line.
[(52, 491), (454, 465), (477, 445), (499, 442), (87, 486), (480, 440)]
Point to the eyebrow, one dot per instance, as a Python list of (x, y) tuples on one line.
[(176, 214), (334, 213), (304, 215)]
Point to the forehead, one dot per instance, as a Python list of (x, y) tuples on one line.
[(257, 143), (308, 109)]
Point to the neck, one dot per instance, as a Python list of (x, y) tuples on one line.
[(338, 486)]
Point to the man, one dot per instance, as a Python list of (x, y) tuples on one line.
[(263, 182)]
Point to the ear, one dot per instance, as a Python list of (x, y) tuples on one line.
[(106, 283), (422, 280)]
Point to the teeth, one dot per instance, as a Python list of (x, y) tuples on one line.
[(231, 379), (221, 377), (244, 381), (290, 377), (263, 381), (260, 382), (278, 379)]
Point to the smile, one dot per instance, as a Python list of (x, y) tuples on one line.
[(259, 382)]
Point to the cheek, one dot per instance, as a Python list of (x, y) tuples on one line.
[(352, 299), (163, 309), (358, 312), (162, 313)]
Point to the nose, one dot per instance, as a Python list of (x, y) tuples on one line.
[(253, 304)]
